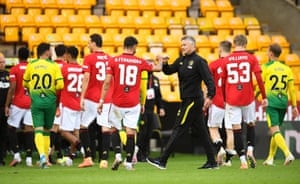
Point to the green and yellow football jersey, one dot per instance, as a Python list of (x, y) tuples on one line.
[(277, 77), (43, 78)]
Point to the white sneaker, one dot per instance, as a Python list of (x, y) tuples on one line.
[(289, 159), (268, 162), (29, 161), (227, 164), (129, 166), (221, 155)]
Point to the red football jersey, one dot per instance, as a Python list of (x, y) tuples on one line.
[(70, 95), (95, 64), (21, 96), (216, 70), (126, 70), (237, 72), (61, 63)]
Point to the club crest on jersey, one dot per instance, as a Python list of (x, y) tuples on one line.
[(190, 65)]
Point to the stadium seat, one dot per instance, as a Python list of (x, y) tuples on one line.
[(215, 41), (27, 26), (54, 38), (170, 41), (111, 24), (222, 26), (93, 24), (114, 7), (170, 93), (147, 7), (126, 24), (252, 43), (252, 26), (50, 7), (143, 25), (143, 43), (70, 39), (210, 57), (174, 25), (119, 39), (180, 7), (203, 44), (108, 40), (209, 9), (61, 24), (296, 72), (33, 41), (148, 56), (83, 7), (162, 8), (10, 27), (237, 25), (33, 7), (15, 7), (131, 7), (263, 42), (225, 8), (261, 56), (281, 40), (44, 24), (84, 39), (206, 25), (67, 7), (77, 24), (159, 25), (292, 59)]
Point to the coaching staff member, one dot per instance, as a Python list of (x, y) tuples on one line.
[(192, 70)]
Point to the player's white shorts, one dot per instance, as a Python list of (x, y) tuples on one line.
[(70, 119), (89, 113), (57, 119), (128, 116), (215, 116), (235, 114), (102, 119), (17, 114)]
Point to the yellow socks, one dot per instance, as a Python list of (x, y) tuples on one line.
[(39, 141), (280, 142), (273, 149), (46, 138)]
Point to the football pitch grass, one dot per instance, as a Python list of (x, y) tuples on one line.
[(182, 168)]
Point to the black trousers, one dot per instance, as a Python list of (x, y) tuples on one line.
[(190, 115), (3, 134), (145, 133)]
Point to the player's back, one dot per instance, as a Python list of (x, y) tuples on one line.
[(238, 69), (216, 70), (276, 76), (21, 95), (43, 75), (70, 95)]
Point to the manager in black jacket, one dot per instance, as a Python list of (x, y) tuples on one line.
[(192, 70)]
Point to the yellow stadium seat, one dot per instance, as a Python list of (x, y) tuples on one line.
[(206, 25), (169, 92), (67, 7), (225, 8), (281, 40), (54, 38), (215, 41), (180, 7), (114, 7), (174, 25), (126, 24), (147, 7), (209, 9), (210, 57), (50, 7), (143, 43), (131, 7), (77, 24), (252, 26), (33, 7), (159, 25), (222, 26), (292, 59), (119, 40), (296, 72), (252, 43), (93, 24), (44, 24), (61, 24), (170, 41), (27, 26), (34, 40), (110, 24), (261, 56), (203, 44), (237, 25), (9, 25), (263, 42), (83, 7), (108, 40), (148, 56), (15, 7), (143, 25), (70, 39), (162, 8), (84, 39)]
